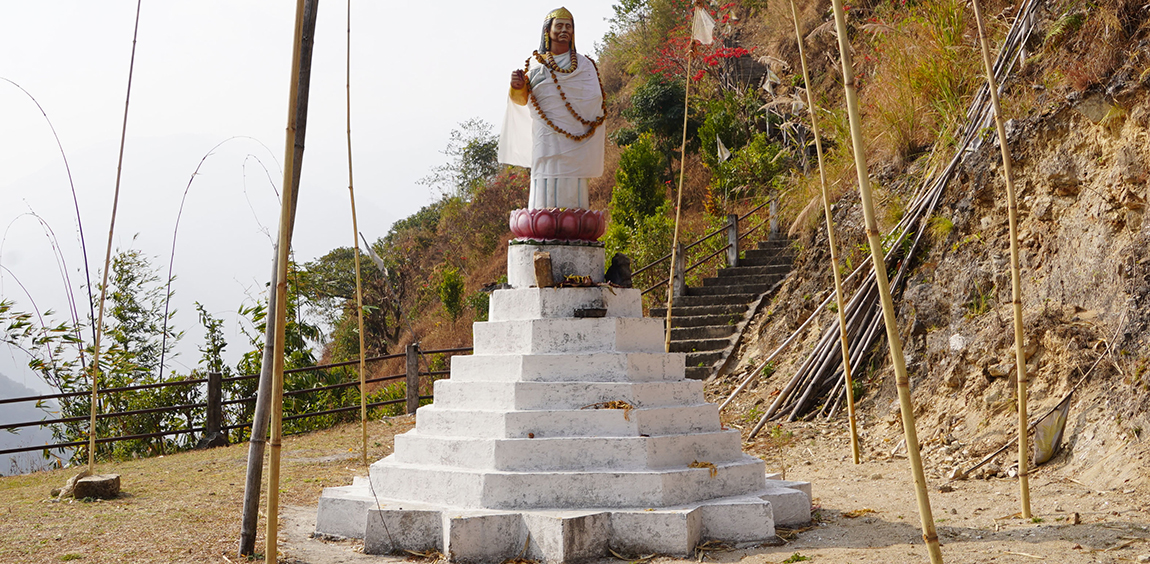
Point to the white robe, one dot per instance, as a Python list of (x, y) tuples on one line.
[(560, 167)]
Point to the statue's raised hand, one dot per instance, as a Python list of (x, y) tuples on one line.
[(518, 80)]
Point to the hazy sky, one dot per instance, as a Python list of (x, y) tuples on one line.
[(208, 71)]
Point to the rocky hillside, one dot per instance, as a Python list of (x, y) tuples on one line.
[(1082, 170)]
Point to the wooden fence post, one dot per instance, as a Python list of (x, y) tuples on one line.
[(774, 217), (215, 409), (412, 377), (733, 240), (680, 279), (214, 414)]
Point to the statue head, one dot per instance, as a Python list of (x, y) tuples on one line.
[(561, 14)]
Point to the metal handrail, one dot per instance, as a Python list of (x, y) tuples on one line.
[(224, 380), (46, 422), (667, 280), (688, 247)]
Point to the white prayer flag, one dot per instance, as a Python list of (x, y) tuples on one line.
[(702, 26), (724, 154)]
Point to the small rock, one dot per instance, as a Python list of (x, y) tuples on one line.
[(1000, 370), (957, 342), (956, 474), (1013, 472), (1075, 519), (945, 488), (876, 476), (953, 511), (55, 492), (1144, 558), (100, 486)]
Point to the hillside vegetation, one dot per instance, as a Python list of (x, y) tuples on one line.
[(1078, 119)]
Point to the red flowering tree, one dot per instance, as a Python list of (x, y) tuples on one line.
[(716, 59)]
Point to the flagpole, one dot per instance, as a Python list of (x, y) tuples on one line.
[(682, 168), (678, 200), (355, 240)]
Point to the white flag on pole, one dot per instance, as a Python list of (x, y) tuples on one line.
[(702, 26), (724, 154)]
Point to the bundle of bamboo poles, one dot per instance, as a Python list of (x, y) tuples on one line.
[(819, 382)]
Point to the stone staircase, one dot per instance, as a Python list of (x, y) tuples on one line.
[(707, 322)]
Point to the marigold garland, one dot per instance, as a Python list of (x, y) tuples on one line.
[(553, 67)]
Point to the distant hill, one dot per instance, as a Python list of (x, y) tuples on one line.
[(19, 412)]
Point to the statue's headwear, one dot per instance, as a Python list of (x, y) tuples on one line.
[(558, 13)]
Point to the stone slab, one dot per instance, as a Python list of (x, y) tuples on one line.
[(669, 420), (502, 490), (568, 453), (557, 535), (564, 536), (565, 336), (98, 486), (483, 537), (511, 396), (566, 260), (342, 511), (390, 531), (738, 520), (574, 367), (540, 303), (639, 533)]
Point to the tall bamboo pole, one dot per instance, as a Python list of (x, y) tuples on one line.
[(1015, 275), (355, 239), (679, 198), (293, 153), (108, 255), (831, 242), (875, 240)]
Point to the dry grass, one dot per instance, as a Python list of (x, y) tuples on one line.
[(178, 508)]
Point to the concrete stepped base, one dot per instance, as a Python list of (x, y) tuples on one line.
[(558, 535), (569, 432)]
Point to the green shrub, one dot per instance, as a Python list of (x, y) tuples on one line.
[(638, 192), (450, 290)]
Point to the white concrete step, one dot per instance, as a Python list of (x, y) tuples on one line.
[(586, 367), (569, 453), (434, 420), (743, 518), (538, 303), (553, 536), (571, 490), (559, 336), (455, 394)]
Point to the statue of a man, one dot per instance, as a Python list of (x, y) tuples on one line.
[(554, 119)]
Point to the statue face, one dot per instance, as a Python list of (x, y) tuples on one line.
[(562, 31)]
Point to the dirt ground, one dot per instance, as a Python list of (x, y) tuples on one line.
[(868, 513)]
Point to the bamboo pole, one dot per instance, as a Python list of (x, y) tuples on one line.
[(874, 237), (831, 242), (679, 198), (1015, 275), (355, 239), (108, 255), (293, 153)]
